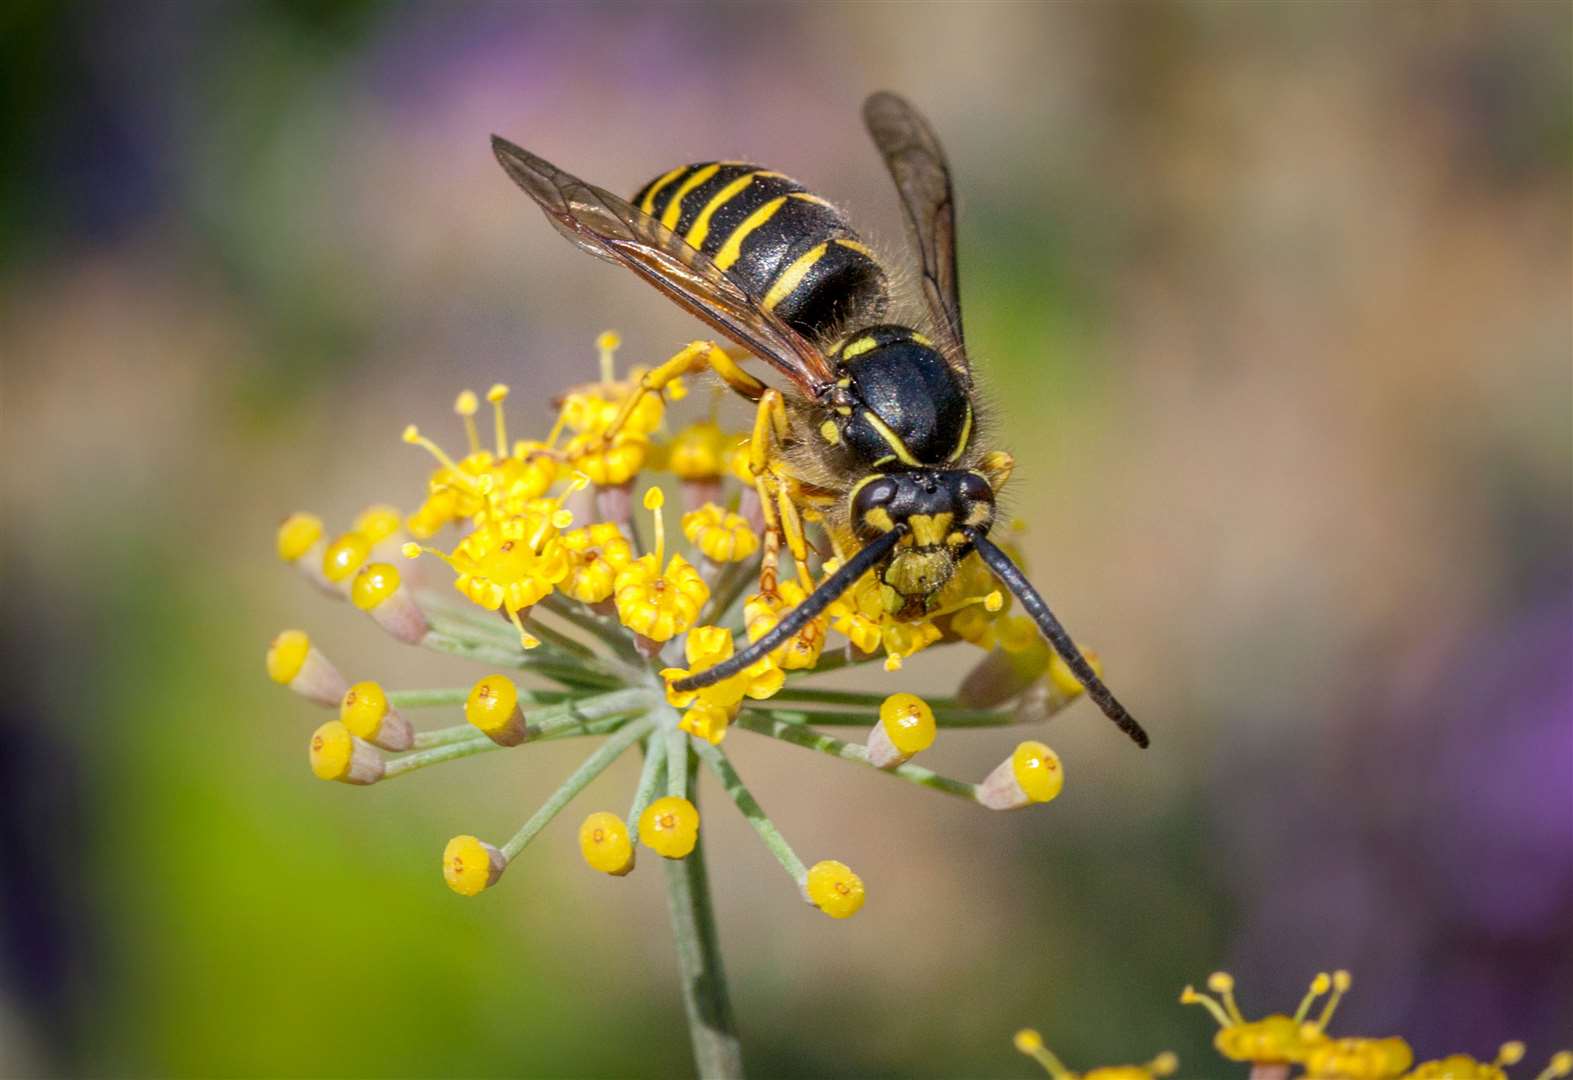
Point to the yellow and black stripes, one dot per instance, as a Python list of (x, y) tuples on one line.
[(789, 249)]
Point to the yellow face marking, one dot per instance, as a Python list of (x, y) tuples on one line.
[(810, 197), (793, 276), (858, 348), (886, 460), (928, 530), (853, 245), (964, 437), (880, 518), (701, 227), (648, 205), (829, 432), (892, 440), (844, 410), (921, 340), (674, 209), (732, 250)]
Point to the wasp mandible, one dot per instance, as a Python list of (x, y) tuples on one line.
[(877, 431)]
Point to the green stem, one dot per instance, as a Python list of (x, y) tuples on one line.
[(458, 695), (949, 718), (711, 1025), (814, 696), (435, 755), (649, 777), (751, 809), (588, 770), (798, 735), (609, 633), (676, 750), (567, 673)]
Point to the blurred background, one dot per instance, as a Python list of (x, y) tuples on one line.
[(1275, 302)]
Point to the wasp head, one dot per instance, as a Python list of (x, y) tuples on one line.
[(938, 511)]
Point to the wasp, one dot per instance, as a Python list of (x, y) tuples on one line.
[(877, 430)]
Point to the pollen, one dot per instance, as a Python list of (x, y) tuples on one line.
[(834, 889), (606, 845), (720, 535), (669, 826), (471, 866)]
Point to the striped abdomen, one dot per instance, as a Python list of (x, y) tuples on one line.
[(790, 250)]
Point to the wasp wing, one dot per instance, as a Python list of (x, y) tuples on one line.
[(917, 164), (613, 229)]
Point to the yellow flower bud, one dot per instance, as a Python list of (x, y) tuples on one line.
[(338, 755), (379, 591), (606, 845), (293, 661), (298, 534), (493, 707), (471, 866), (670, 827), (1032, 774), (834, 889), (377, 523), (364, 710), (905, 727), (721, 536), (344, 556)]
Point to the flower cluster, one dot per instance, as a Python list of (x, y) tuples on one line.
[(1277, 1043), (585, 609)]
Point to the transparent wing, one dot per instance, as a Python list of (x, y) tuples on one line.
[(917, 164), (611, 228)]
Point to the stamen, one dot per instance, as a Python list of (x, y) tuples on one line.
[(465, 406), (654, 499), (606, 344), (462, 479), (1222, 984), (414, 551), (1164, 1064), (1341, 981), (1029, 1042), (1561, 1065), (528, 640), (497, 395), (1319, 986), (1189, 996), (1511, 1053)]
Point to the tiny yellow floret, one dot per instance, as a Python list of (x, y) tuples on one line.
[(909, 721), (835, 889), (344, 556), (605, 844), (363, 709), (1028, 1041), (470, 866), (493, 707), (298, 534), (332, 749), (373, 584), (1038, 771), (670, 827), (287, 655)]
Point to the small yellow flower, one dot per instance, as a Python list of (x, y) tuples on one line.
[(761, 613), (471, 866), (712, 708), (595, 555), (1275, 1039), (834, 889), (606, 845), (670, 827), (293, 661), (1358, 1059), (338, 755), (298, 534), (493, 707), (344, 556), (699, 452), (721, 535), (1032, 774), (655, 604), (376, 523), (365, 712)]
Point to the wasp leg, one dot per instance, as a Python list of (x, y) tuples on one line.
[(690, 359), (782, 521)]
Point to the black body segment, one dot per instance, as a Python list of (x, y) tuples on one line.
[(907, 403), (792, 252)]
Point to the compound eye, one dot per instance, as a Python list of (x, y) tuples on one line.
[(875, 493), (973, 488)]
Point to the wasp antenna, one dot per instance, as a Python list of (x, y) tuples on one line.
[(1034, 605), (828, 592)]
